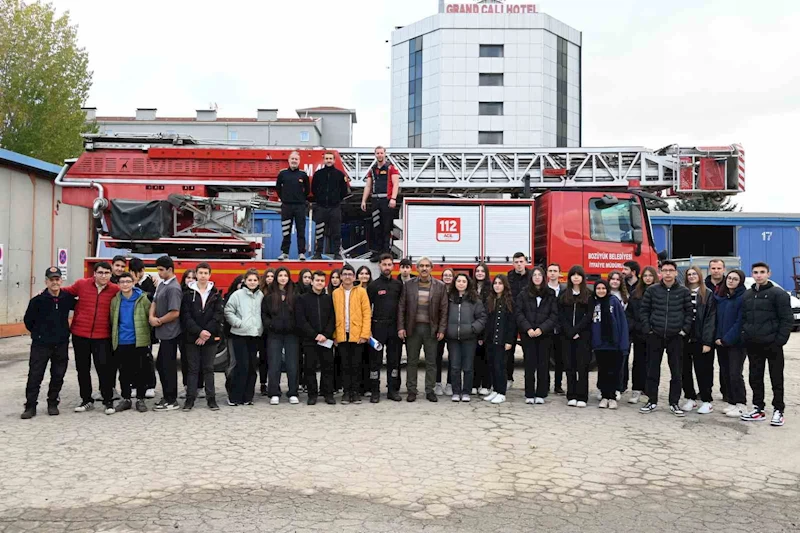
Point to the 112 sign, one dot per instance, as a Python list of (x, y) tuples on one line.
[(448, 229)]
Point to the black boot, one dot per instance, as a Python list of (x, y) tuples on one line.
[(29, 412)]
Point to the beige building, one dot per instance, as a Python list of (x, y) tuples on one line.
[(36, 231)]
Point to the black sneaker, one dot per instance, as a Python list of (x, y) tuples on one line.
[(558, 390), (330, 400), (141, 406), (161, 405), (29, 413), (263, 389), (346, 398), (52, 410), (676, 410), (312, 400), (170, 406), (394, 396), (212, 404), (232, 404), (431, 397), (648, 408), (188, 404), (124, 405), (375, 257), (375, 398), (316, 257), (356, 398)]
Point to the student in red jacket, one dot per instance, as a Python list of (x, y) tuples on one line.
[(91, 335)]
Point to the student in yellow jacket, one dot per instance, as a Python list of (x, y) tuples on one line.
[(353, 320)]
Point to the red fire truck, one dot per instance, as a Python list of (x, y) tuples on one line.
[(168, 194)]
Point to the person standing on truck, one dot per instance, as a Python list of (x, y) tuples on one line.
[(202, 317), (165, 312), (329, 187), (145, 282), (383, 184), (91, 335), (47, 318), (518, 279), (353, 330), (293, 188), (553, 275), (667, 315), (130, 340), (422, 321), (316, 324), (384, 295), (766, 325)]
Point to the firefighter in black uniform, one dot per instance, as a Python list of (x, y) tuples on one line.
[(384, 296), (293, 188), (383, 183), (329, 188)]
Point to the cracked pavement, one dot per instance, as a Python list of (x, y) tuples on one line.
[(393, 467)]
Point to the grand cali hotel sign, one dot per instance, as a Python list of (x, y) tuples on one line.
[(498, 8)]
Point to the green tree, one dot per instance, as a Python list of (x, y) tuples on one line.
[(705, 203), (44, 81)]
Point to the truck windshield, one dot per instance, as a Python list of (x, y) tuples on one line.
[(610, 223)]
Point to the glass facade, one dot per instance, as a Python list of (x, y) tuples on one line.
[(561, 94), (490, 108), (491, 50), (415, 93), (490, 80), (490, 137)]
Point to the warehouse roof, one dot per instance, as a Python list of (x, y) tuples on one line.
[(24, 162)]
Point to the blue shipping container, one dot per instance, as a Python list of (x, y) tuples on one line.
[(268, 223)]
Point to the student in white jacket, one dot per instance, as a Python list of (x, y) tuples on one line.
[(243, 313)]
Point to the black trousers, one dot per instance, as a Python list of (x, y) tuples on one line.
[(293, 213), (483, 374), (639, 372), (133, 369), (263, 365), (759, 355), (329, 229), (440, 346), (656, 346), (98, 350), (496, 354), (576, 355), (731, 366), (536, 351), (151, 369), (364, 371), (382, 220), (509, 366), (386, 334), (351, 365), (316, 354), (167, 366), (608, 371), (558, 361), (243, 385), (703, 364), (201, 368), (185, 366), (57, 355), (337, 369)]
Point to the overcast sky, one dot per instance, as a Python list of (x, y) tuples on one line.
[(654, 73)]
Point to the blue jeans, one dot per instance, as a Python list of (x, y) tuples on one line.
[(462, 358), (279, 344)]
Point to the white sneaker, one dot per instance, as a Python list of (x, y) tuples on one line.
[(706, 408), (612, 404), (133, 393), (474, 390), (275, 400), (603, 403), (538, 401), (634, 397), (581, 404), (437, 390), (509, 384), (529, 401), (689, 406), (777, 418), (572, 403), (201, 394), (500, 398), (88, 406), (483, 391), (301, 257), (150, 393), (599, 395), (455, 398), (490, 397), (465, 398), (617, 395), (283, 257), (293, 400), (737, 411), (448, 390), (729, 407), (110, 411)]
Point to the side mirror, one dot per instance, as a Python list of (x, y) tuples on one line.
[(638, 235), (636, 217)]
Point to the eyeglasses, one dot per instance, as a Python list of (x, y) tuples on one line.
[(668, 270), (347, 274), (125, 282), (102, 273)]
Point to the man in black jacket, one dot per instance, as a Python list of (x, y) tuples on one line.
[(293, 188), (202, 315), (518, 280), (47, 318), (766, 324), (316, 323), (329, 188), (384, 295), (666, 315)]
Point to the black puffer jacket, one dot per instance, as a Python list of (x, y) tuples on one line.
[(574, 318), (197, 317), (518, 282), (766, 315), (314, 316), (705, 321), (466, 320), (634, 314), (531, 316), (279, 319), (666, 311)]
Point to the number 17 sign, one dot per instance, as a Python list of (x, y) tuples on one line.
[(448, 229)]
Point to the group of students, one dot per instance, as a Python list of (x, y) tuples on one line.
[(342, 327)]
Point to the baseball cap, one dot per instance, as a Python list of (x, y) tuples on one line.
[(52, 272)]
